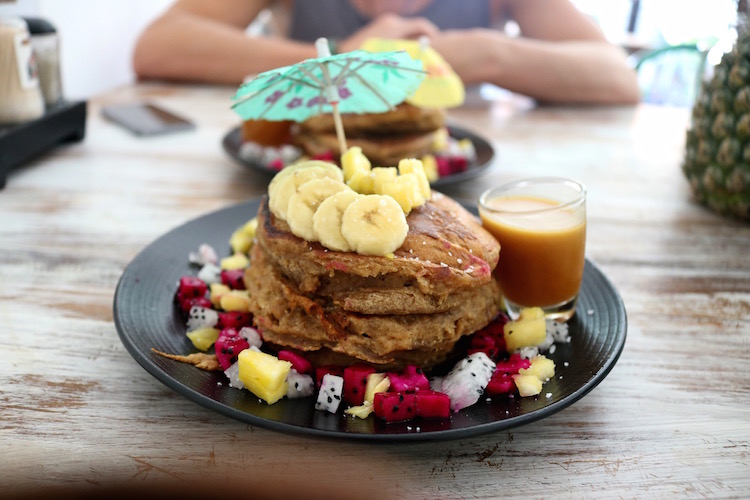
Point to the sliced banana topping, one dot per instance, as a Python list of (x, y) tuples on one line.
[(328, 218), (305, 202), (374, 225), (280, 194)]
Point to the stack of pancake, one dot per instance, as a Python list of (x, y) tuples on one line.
[(343, 307), (385, 138)]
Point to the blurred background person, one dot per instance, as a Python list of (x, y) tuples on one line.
[(559, 55)]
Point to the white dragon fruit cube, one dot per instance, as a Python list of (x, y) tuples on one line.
[(330, 393), (300, 385), (466, 382), (210, 273), (233, 374), (201, 317), (251, 335)]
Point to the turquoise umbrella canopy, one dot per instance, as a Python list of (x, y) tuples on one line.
[(353, 82)]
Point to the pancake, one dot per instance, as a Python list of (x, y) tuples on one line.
[(382, 150), (411, 308), (385, 138), (446, 251), (290, 319), (404, 118)]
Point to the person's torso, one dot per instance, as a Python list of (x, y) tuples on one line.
[(337, 19)]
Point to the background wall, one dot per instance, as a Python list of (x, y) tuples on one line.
[(97, 36)]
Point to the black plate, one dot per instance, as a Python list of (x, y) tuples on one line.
[(233, 140), (145, 317)]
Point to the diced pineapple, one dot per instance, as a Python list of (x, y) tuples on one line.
[(381, 176), (236, 261), (242, 238), (203, 338), (354, 162), (216, 290), (250, 227), (430, 168), (528, 330), (406, 191), (263, 375), (376, 382), (235, 301), (240, 242), (362, 411), (416, 168), (528, 385), (440, 141), (541, 367), (362, 182)]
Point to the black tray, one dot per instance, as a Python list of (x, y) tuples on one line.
[(65, 122)]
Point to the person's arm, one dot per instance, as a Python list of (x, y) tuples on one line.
[(562, 56), (205, 41)]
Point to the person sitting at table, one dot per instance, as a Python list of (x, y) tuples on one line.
[(562, 55)]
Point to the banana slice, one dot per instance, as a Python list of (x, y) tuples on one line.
[(327, 220), (289, 170), (374, 225), (278, 198), (303, 204)]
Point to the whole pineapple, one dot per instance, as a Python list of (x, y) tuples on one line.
[(717, 152)]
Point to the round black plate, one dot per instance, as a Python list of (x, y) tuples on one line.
[(146, 318), (233, 140)]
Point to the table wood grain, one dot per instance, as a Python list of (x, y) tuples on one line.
[(77, 413)]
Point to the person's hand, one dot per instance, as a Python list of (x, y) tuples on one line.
[(390, 26), (466, 51)]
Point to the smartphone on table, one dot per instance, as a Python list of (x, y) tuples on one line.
[(146, 119)]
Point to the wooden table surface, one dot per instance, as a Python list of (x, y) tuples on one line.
[(77, 413)]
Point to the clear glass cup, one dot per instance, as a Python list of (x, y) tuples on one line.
[(541, 226)]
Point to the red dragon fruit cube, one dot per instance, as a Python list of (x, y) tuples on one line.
[(229, 344), (355, 382), (483, 342), (411, 379), (188, 303), (514, 363), (233, 278), (190, 286), (500, 383), (234, 320), (298, 362), (431, 404), (395, 406)]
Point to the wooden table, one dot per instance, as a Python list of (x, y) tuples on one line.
[(78, 413)]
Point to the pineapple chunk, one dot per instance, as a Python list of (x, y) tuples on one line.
[(362, 411), (236, 261), (376, 382), (217, 290), (416, 167), (406, 191), (381, 176), (263, 375), (440, 142), (430, 168), (528, 385), (528, 330), (242, 238), (235, 301), (362, 182), (354, 162), (541, 367), (203, 338), (240, 242)]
